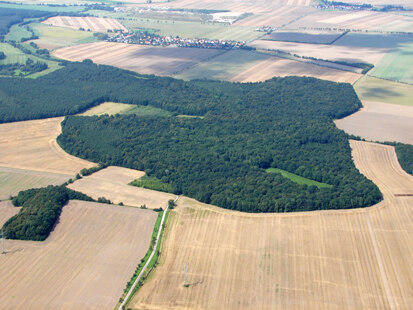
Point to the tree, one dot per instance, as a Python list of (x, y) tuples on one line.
[(171, 204)]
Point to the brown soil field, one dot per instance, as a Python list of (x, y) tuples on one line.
[(14, 180), (93, 23), (347, 259), (112, 183), (329, 52), (84, 264), (275, 66), (32, 145), (139, 58), (378, 121)]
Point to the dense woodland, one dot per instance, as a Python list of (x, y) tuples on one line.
[(284, 123), (40, 210), (405, 156)]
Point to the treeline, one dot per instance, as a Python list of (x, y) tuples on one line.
[(405, 156), (40, 210), (22, 69), (80, 86), (9, 17)]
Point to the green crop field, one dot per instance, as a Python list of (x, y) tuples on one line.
[(54, 37), (14, 180), (387, 41), (298, 179), (224, 66), (192, 29), (142, 110), (374, 89), (396, 65), (14, 55)]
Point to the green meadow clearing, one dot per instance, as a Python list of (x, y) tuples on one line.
[(298, 179)]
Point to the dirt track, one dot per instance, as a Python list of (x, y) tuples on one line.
[(349, 259)]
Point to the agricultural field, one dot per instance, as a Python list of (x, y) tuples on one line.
[(31, 145), (373, 89), (14, 55), (358, 20), (113, 108), (7, 210), (85, 263), (396, 65), (296, 178), (404, 3), (329, 52), (41, 5), (314, 37), (378, 121), (349, 259), (17, 33), (14, 180), (112, 183), (275, 66), (139, 58), (87, 23), (51, 37)]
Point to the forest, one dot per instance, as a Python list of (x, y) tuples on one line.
[(284, 123), (405, 156), (40, 210)]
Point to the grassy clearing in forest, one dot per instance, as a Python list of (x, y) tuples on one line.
[(298, 179)]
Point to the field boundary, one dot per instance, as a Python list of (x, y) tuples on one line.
[(149, 260)]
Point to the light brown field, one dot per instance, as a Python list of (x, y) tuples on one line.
[(93, 23), (7, 210), (378, 121), (13, 180), (329, 52), (275, 66), (139, 58), (110, 108), (84, 264), (32, 145), (111, 183), (348, 259), (359, 20)]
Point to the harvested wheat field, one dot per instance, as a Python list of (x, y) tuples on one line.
[(32, 145), (7, 210), (110, 108), (329, 52), (139, 58), (112, 183), (93, 23), (275, 66), (85, 263), (378, 121), (348, 259), (13, 180)]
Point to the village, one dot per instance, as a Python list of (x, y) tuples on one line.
[(145, 38)]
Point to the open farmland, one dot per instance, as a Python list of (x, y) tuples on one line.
[(315, 37), (329, 52), (275, 66), (378, 121), (110, 108), (396, 65), (14, 180), (373, 89), (87, 23), (7, 210), (51, 37), (112, 183), (350, 259), (85, 263), (32, 145), (355, 20), (139, 58)]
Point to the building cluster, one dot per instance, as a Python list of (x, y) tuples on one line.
[(267, 29), (145, 38)]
